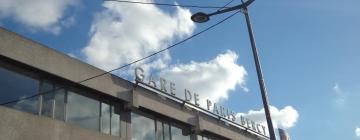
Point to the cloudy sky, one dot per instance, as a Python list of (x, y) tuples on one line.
[(309, 52)]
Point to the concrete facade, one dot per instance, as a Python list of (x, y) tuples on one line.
[(15, 125)]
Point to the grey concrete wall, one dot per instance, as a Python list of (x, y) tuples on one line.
[(16, 125), (218, 128)]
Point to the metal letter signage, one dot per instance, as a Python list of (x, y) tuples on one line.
[(169, 88), (139, 74)]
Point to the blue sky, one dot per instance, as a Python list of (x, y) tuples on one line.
[(309, 51)]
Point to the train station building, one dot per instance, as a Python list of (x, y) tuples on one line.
[(47, 95)]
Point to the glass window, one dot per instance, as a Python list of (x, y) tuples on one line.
[(15, 86), (53, 101), (159, 130), (105, 118), (47, 99), (59, 103), (143, 128), (83, 111), (199, 137), (166, 131), (115, 120), (162, 130), (176, 134)]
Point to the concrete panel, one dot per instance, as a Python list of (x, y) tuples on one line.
[(16, 125), (46, 59), (221, 129), (157, 103)]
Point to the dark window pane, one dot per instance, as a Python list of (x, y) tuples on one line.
[(83, 111), (176, 134), (47, 99), (105, 118), (15, 86), (30, 105), (59, 111), (143, 128), (47, 105), (115, 120), (159, 130), (166, 131)]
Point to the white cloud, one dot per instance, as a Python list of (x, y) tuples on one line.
[(119, 36), (285, 118), (340, 95), (211, 80), (357, 132), (68, 21), (42, 15), (123, 33), (336, 88)]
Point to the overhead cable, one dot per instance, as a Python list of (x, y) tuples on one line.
[(225, 6), (168, 4), (129, 64)]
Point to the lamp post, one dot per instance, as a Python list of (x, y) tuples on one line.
[(203, 17)]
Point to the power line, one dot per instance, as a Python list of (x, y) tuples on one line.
[(126, 65), (168, 4), (225, 5)]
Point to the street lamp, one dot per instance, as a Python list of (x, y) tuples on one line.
[(202, 17)]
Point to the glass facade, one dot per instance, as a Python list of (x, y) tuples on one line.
[(162, 130), (176, 134), (83, 111), (59, 103), (166, 131), (105, 118), (146, 127), (143, 128), (30, 93), (110, 119), (202, 138), (115, 120), (33, 94), (47, 99), (16, 86), (159, 130)]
